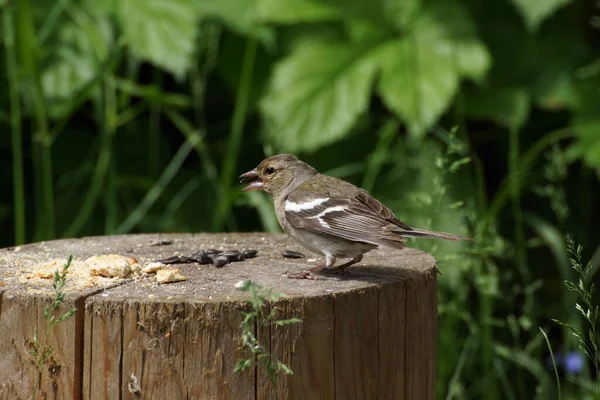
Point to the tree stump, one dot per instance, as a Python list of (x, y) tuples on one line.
[(371, 335)]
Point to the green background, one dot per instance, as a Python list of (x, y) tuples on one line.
[(475, 117)]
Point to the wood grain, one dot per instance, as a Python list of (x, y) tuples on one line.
[(59, 375), (371, 335), (103, 347)]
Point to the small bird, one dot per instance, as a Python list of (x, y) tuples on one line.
[(327, 215)]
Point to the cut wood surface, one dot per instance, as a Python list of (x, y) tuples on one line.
[(371, 335)]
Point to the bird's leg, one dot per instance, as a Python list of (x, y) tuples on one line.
[(342, 268), (311, 273), (355, 260)]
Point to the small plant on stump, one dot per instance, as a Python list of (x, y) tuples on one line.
[(41, 354), (255, 353)]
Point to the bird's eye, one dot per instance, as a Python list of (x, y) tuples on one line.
[(270, 171)]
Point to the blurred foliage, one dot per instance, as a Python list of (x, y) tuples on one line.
[(475, 117)]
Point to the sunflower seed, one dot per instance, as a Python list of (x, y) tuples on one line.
[(292, 254), (233, 256), (249, 253), (220, 261), (201, 258), (174, 260)]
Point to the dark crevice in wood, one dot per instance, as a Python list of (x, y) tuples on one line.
[(406, 333), (91, 360), (122, 334), (185, 335), (79, 351), (256, 371), (333, 352), (378, 345)]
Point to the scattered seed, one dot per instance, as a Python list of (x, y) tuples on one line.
[(201, 258), (174, 260), (213, 256), (292, 254), (220, 261), (233, 256), (249, 253)]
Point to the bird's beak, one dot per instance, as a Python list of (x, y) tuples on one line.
[(252, 179)]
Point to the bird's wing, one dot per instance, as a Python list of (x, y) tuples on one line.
[(359, 217)]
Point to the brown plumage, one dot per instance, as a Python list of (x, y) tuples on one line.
[(327, 215)]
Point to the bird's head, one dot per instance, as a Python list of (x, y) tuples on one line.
[(277, 174)]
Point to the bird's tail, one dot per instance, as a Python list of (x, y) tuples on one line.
[(422, 233)]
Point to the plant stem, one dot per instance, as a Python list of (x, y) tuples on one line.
[(235, 136), (386, 134), (515, 178), (15, 124), (525, 162), (102, 163), (553, 363), (41, 141), (486, 312), (51, 20), (208, 166), (154, 193), (111, 115), (154, 131)]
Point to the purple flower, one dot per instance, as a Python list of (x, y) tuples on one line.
[(573, 362)]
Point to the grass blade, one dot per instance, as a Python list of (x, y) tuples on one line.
[(235, 136), (154, 193), (15, 125), (553, 363)]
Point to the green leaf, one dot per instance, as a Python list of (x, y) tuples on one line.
[(571, 286), (320, 90), (294, 11), (535, 11), (418, 82), (422, 71), (80, 49), (554, 239), (160, 31), (587, 122), (240, 15), (289, 321), (535, 367), (284, 368), (391, 13), (508, 106), (317, 94), (474, 59)]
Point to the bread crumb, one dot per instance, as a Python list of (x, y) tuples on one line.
[(153, 267), (169, 275), (47, 270), (110, 265)]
